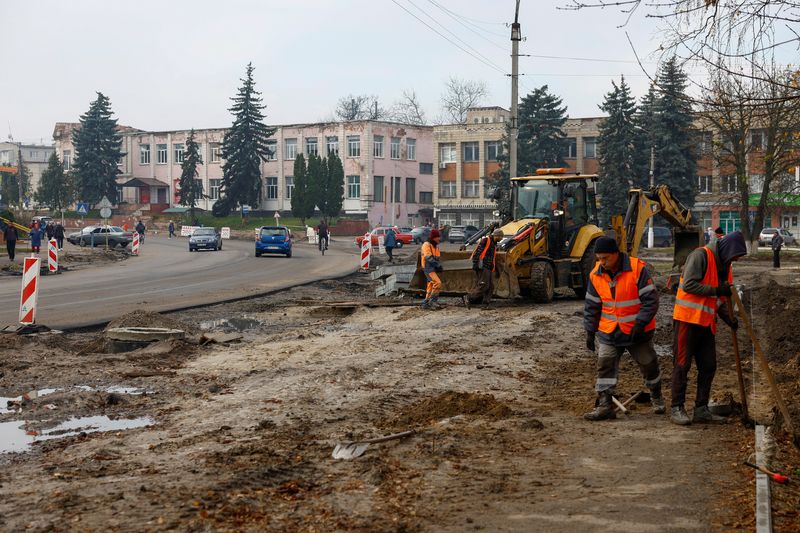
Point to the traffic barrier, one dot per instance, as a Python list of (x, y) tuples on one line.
[(366, 251), (52, 256), (381, 245), (225, 233), (30, 290), (135, 245), (186, 231)]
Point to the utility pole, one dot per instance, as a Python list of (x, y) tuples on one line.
[(516, 37), (650, 234), (20, 176)]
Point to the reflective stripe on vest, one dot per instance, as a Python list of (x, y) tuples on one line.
[(696, 309), (620, 310), (488, 243)]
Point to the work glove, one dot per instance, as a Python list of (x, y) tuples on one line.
[(476, 267), (637, 333), (439, 268), (733, 323), (590, 344), (725, 289)]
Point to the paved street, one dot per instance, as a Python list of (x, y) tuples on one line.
[(167, 276)]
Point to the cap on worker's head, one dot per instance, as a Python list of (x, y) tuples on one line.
[(719, 231), (435, 234), (605, 245), (497, 233)]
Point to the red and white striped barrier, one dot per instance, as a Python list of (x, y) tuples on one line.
[(366, 251), (30, 290), (135, 245), (52, 256)]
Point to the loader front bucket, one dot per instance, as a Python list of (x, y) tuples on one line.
[(686, 241), (458, 277)]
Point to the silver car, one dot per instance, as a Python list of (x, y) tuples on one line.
[(206, 239), (100, 235), (765, 237)]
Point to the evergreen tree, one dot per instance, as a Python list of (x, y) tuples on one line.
[(97, 152), (244, 148), (541, 141), (315, 180), (501, 181), (9, 189), (617, 151), (23, 182), (302, 202), (333, 193), (55, 188), (191, 189)]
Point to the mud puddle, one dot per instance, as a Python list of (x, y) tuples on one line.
[(231, 324), (9, 404)]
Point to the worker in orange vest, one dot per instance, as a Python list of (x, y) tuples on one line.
[(702, 295), (620, 312), (484, 263), (432, 266)]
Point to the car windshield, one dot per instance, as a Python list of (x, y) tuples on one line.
[(204, 231), (535, 199), (273, 232), (769, 230), (116, 229)]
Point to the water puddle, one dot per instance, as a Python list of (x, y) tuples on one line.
[(15, 438), (232, 324), (133, 391), (10, 404)]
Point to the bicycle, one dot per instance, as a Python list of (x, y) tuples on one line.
[(323, 244)]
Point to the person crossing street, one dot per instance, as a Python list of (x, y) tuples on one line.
[(484, 263), (777, 244), (11, 236), (432, 266), (619, 315)]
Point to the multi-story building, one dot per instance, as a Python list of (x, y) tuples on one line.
[(34, 157), (388, 167)]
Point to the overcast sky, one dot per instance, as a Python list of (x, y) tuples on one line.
[(174, 64)]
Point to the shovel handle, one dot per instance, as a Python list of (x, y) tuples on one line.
[(388, 437)]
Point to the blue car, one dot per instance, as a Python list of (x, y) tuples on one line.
[(274, 240)]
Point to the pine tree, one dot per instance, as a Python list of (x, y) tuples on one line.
[(9, 189), (244, 148), (97, 152), (191, 189), (334, 187), (23, 182), (315, 179), (302, 202), (55, 187), (541, 141), (617, 151)]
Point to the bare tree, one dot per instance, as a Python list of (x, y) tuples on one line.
[(359, 107), (408, 109), (459, 95)]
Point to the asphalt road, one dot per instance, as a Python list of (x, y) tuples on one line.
[(166, 276)]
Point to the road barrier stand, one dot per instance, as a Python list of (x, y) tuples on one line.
[(52, 256), (366, 251), (225, 233), (135, 245), (381, 246), (30, 290)]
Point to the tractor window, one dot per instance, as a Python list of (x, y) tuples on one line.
[(536, 199), (575, 205)]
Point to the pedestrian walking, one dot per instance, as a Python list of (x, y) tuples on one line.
[(620, 315), (432, 267), (11, 236), (484, 264), (140, 229), (36, 236), (49, 230), (704, 288), (59, 235), (777, 244), (171, 229), (389, 242)]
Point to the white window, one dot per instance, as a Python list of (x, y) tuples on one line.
[(161, 154), (272, 146), (311, 146), (67, 159), (704, 184), (447, 153), (728, 183), (448, 189), (471, 151), (395, 148), (411, 149), (447, 219), (590, 147), (144, 154), (215, 152), (214, 185), (272, 188), (493, 150), (705, 142), (289, 187), (354, 186), (757, 139), (472, 188), (353, 146), (177, 152), (572, 148), (471, 219), (332, 145), (290, 149), (377, 147)]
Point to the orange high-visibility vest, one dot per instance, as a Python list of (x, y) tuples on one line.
[(696, 309), (429, 249), (621, 308), (485, 250)]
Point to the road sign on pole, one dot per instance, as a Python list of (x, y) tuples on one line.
[(105, 212), (82, 208), (104, 203)]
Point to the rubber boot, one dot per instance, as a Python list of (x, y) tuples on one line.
[(657, 401), (604, 409), (679, 416), (703, 416)]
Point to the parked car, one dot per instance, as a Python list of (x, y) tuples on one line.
[(405, 229), (206, 238), (662, 237), (420, 234), (274, 240), (402, 238), (100, 235), (461, 233), (43, 220), (765, 237)]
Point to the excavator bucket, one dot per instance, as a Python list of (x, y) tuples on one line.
[(686, 241), (458, 277)]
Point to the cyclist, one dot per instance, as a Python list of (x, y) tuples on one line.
[(322, 231)]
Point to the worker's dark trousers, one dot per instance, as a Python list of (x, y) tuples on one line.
[(776, 258), (482, 291), (11, 246), (643, 353), (60, 242), (389, 250), (691, 341)]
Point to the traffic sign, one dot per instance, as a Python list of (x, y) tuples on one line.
[(104, 203), (105, 212), (277, 215), (82, 208)]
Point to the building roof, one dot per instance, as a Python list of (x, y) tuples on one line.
[(548, 177), (144, 182)]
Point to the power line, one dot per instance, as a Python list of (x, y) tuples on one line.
[(478, 21), (449, 14), (590, 59)]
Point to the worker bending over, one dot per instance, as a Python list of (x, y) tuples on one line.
[(702, 294), (431, 266), (620, 310), (484, 263)]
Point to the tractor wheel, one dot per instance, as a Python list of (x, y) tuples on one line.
[(588, 261), (542, 282)]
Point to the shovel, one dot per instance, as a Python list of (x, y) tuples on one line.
[(351, 450)]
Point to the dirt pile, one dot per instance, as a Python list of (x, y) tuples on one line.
[(778, 306), (451, 404), (148, 319)]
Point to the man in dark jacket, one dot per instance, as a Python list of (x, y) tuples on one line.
[(389, 242), (484, 263), (705, 285), (620, 311), (777, 244), (140, 229), (36, 235), (11, 236), (59, 235)]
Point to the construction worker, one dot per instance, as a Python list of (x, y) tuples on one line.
[(431, 266), (620, 310), (705, 285), (484, 263)]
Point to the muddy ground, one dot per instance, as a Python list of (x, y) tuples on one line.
[(238, 436), (70, 258)]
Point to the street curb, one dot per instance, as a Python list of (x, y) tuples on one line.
[(763, 504)]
